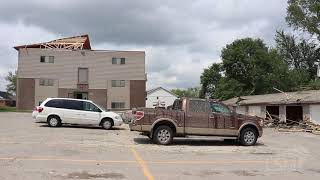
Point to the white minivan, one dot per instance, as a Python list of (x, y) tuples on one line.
[(56, 111)]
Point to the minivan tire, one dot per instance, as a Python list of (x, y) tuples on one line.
[(248, 136), (163, 135), (106, 124), (54, 121)]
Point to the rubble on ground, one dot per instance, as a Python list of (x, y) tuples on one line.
[(292, 126)]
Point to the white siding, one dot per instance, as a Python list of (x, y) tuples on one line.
[(255, 111), (306, 112), (282, 113), (163, 96), (241, 110), (315, 113)]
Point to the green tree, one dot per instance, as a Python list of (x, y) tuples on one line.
[(12, 82), (252, 64), (301, 55), (304, 15), (229, 88), (248, 67), (314, 84), (189, 92), (209, 80)]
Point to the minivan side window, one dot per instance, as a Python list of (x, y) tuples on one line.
[(55, 103), (87, 106), (74, 105)]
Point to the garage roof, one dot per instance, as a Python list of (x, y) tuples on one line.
[(299, 97)]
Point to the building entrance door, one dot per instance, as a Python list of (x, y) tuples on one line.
[(81, 95)]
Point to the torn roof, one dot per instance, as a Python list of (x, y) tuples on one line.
[(72, 43), (299, 97)]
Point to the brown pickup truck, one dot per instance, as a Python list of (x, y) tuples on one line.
[(195, 117)]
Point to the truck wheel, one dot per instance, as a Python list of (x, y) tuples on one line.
[(248, 136), (163, 135), (54, 121)]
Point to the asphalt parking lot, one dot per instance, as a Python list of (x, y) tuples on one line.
[(35, 151)]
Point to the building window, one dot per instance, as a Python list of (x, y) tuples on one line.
[(117, 105), (118, 60), (114, 60), (123, 61), (83, 75), (51, 59), (118, 83), (47, 59), (46, 82), (42, 59)]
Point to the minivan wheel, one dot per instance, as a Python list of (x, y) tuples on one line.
[(163, 135), (54, 121), (248, 136), (106, 124)]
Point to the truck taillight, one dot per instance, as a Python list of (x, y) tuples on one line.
[(139, 115)]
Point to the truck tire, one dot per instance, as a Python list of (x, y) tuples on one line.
[(248, 136), (163, 135)]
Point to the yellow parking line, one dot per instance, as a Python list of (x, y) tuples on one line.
[(142, 164)]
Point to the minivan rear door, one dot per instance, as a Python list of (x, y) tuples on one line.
[(72, 112)]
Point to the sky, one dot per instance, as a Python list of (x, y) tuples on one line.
[(180, 37)]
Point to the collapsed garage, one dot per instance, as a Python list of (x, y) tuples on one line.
[(291, 107)]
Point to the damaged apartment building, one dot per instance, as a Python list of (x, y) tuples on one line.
[(69, 68), (288, 107)]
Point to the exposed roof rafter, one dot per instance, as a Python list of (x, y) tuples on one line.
[(70, 43)]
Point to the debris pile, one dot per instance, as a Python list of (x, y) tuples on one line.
[(291, 125)]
